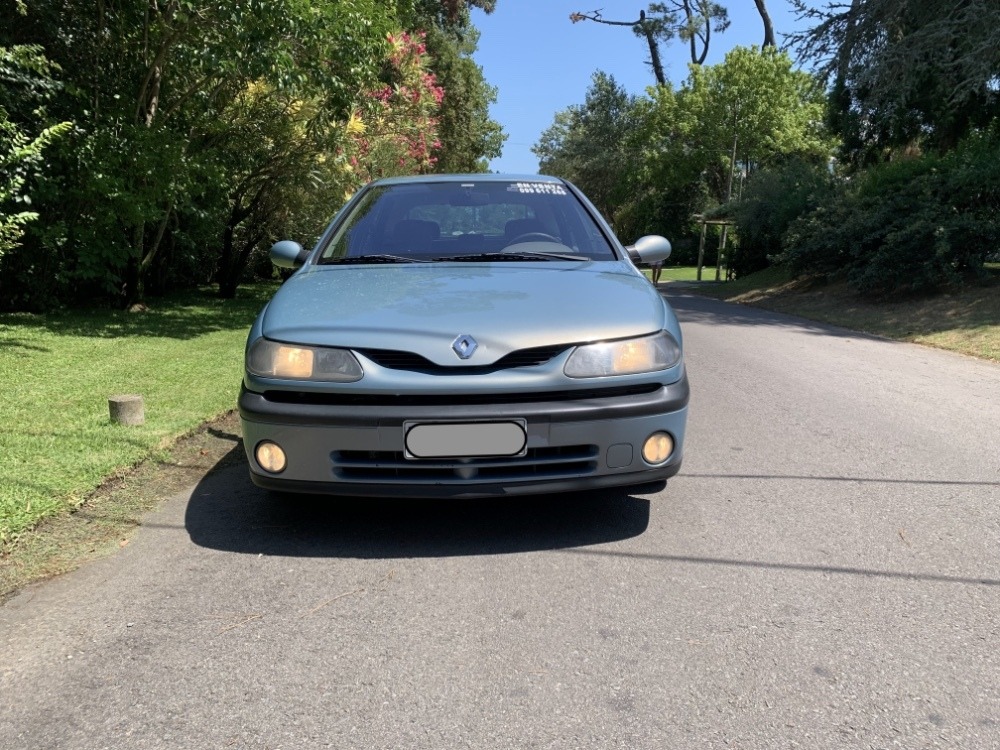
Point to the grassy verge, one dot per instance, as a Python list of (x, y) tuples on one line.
[(965, 321), (683, 273), (183, 356), (114, 511)]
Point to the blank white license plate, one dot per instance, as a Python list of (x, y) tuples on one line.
[(465, 439)]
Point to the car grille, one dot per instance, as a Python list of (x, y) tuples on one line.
[(345, 398), (538, 463), (399, 360)]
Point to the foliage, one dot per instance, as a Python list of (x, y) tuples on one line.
[(690, 21), (773, 198), (469, 138), (25, 73), (905, 72), (156, 92), (753, 106), (19, 155), (273, 149), (394, 127), (586, 143), (205, 128), (757, 102), (911, 226)]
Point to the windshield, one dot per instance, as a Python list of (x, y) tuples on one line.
[(468, 222)]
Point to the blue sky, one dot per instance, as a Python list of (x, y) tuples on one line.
[(541, 63)]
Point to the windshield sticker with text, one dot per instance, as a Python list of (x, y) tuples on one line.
[(543, 188)]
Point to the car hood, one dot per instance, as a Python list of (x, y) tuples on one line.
[(424, 308)]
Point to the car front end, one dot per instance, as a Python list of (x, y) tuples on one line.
[(556, 368)]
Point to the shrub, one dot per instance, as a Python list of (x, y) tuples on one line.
[(772, 199), (906, 227)]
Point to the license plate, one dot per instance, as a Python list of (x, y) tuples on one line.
[(465, 439)]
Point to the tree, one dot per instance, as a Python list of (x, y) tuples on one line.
[(25, 75), (153, 87), (905, 73), (394, 126), (692, 21), (746, 112), (690, 144), (765, 17), (468, 136), (756, 101), (271, 149), (586, 144)]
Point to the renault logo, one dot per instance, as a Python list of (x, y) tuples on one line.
[(464, 346)]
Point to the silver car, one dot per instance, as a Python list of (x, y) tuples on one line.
[(465, 336)]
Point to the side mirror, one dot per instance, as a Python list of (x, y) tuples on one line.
[(649, 249), (288, 254)]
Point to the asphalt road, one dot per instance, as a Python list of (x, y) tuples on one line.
[(824, 573)]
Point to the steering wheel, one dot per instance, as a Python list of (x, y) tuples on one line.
[(533, 237)]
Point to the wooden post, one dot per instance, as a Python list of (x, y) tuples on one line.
[(126, 410), (721, 254), (701, 248)]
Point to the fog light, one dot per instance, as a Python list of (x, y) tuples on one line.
[(270, 457), (657, 448)]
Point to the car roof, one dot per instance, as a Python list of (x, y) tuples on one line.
[(473, 177)]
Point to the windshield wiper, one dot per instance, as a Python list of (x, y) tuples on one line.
[(520, 255), (376, 258)]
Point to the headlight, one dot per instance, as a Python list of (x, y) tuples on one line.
[(627, 357), (269, 359)]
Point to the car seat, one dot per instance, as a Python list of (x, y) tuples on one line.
[(414, 236)]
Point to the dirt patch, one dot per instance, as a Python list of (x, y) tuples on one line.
[(109, 517)]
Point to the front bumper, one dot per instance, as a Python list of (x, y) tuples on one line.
[(357, 448)]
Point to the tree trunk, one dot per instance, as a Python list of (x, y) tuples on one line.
[(769, 40), (228, 277), (654, 56), (654, 52), (132, 291), (232, 263), (698, 59)]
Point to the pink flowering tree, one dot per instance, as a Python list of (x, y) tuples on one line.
[(394, 129)]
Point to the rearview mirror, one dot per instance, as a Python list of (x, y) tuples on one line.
[(469, 198), (649, 249)]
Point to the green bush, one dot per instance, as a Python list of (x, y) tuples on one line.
[(772, 199), (653, 210), (913, 226)]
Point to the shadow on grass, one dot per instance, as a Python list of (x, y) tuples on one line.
[(21, 344), (227, 512), (180, 316)]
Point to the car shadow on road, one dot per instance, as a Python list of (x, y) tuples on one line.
[(227, 512)]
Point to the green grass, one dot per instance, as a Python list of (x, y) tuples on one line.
[(183, 355), (684, 273)]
